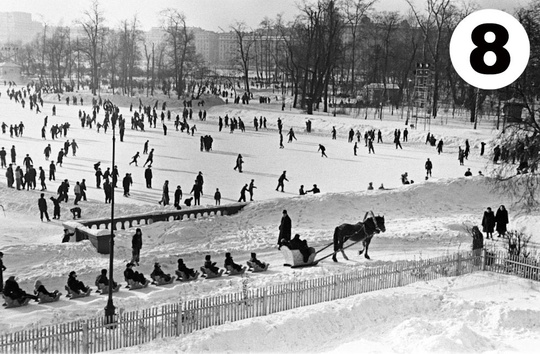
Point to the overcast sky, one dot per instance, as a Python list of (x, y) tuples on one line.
[(207, 14)]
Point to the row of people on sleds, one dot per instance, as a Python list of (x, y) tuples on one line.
[(137, 280), (14, 296)]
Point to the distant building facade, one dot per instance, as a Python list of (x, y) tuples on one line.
[(18, 27)]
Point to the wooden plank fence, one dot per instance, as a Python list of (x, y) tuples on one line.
[(138, 327)]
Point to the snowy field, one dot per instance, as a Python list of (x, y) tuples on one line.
[(423, 220)]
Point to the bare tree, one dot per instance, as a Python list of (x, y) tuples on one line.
[(244, 43), (353, 12), (92, 45), (57, 51), (112, 53), (131, 35), (180, 40), (436, 31), (516, 156)]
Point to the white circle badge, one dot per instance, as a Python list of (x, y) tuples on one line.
[(489, 49)]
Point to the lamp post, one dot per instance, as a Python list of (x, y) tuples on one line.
[(110, 309)]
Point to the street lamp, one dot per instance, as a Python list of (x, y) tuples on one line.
[(110, 309)]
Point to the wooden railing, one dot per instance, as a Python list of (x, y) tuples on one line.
[(138, 327), (148, 218), (92, 229)]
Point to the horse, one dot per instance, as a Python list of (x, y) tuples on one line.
[(361, 231)]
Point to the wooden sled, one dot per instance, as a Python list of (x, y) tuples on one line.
[(208, 274), (232, 271), (104, 289), (184, 277), (161, 281), (255, 268), (294, 259), (133, 285), (73, 295), (43, 299), (10, 303)]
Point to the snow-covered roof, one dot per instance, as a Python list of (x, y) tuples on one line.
[(10, 65)]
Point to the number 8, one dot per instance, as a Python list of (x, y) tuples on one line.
[(482, 47)]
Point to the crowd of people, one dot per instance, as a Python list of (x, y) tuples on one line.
[(25, 175)]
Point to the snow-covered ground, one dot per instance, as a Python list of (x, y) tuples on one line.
[(426, 219), (475, 313)]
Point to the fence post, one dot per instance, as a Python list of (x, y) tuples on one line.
[(265, 301), (400, 279), (334, 285), (484, 256), (458, 265), (84, 342), (179, 323)]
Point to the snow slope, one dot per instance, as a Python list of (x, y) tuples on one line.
[(422, 220)]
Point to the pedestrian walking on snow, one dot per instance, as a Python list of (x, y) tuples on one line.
[(281, 181), (250, 189), (428, 167), (285, 228), (150, 158), (42, 204), (243, 193), (135, 158), (165, 194), (488, 223), (217, 196), (239, 162), (322, 149)]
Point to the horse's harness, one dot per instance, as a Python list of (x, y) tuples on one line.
[(376, 231)]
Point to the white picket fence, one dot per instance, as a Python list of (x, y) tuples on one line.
[(138, 327)]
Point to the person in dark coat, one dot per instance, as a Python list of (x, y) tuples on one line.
[(136, 245), (197, 192), (42, 178), (98, 175), (52, 171), (200, 180), (158, 272), (104, 280), (42, 204), (501, 218), (165, 194), (150, 158), (281, 180), (429, 166), (177, 197), (488, 223), (76, 285), (148, 177), (284, 229), (127, 181), (243, 193), (130, 274), (322, 149), (254, 259), (56, 210), (297, 244), (2, 269), (190, 272), (251, 188), (14, 292), (239, 162), (208, 264), (217, 197), (39, 289), (107, 189), (229, 262)]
